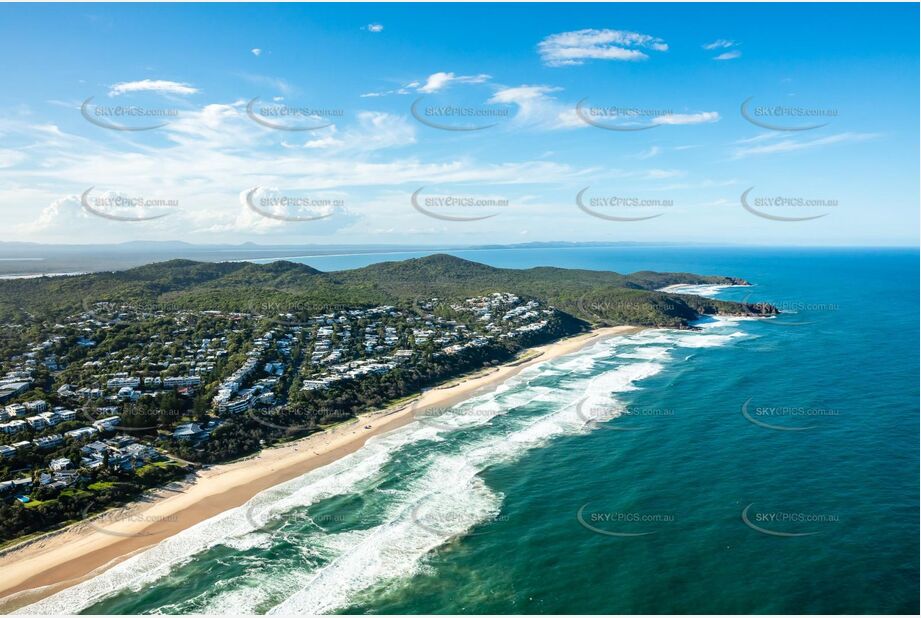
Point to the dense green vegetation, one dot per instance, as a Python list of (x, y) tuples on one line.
[(96, 490), (597, 297), (308, 412)]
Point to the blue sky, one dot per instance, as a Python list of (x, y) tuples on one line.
[(540, 75)]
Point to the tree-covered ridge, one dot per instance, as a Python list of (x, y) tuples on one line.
[(598, 297)]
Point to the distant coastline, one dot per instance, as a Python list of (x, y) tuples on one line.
[(60, 259), (37, 275)]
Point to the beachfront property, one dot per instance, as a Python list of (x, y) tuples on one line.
[(190, 431), (14, 426), (61, 463), (83, 433), (179, 381), (339, 349)]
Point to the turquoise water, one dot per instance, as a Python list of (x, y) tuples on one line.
[(613, 480)]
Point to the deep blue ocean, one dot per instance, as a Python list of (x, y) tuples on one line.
[(754, 466)]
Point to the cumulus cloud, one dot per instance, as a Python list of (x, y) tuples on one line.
[(570, 48), (67, 215), (160, 86), (256, 51), (64, 212), (375, 27)]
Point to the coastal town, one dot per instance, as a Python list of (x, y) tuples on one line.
[(118, 399)]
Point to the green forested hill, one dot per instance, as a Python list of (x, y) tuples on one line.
[(597, 297)]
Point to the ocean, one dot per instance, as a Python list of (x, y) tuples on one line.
[(753, 466)]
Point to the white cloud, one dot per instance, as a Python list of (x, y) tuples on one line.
[(792, 145), (9, 158), (730, 55), (649, 153), (660, 174), (160, 86), (212, 153), (569, 48), (256, 51), (720, 44), (375, 131), (375, 27), (698, 118), (724, 44), (63, 212), (66, 217), (322, 204), (440, 80), (537, 109), (434, 83)]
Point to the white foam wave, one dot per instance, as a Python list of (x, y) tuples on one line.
[(147, 567), (708, 291), (450, 490)]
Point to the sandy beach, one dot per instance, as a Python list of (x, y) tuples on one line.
[(41, 567)]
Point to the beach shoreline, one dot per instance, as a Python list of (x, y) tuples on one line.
[(41, 567)]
